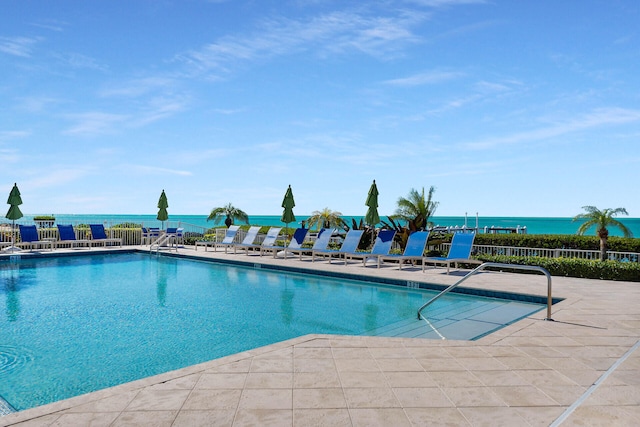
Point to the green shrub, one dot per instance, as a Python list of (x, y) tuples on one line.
[(575, 267), (555, 241)]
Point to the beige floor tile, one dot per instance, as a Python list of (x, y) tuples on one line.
[(472, 396), (263, 417), (602, 416), (492, 416), (212, 399), (237, 366), (436, 417), (357, 365), (371, 397), (422, 397), (93, 419), (430, 365), (614, 395), (363, 379), (115, 403), (316, 379), (399, 365), (221, 381), (272, 365), (409, 379), (523, 395), (312, 353), (455, 379), (211, 418), (321, 418), (540, 416), (377, 417), (481, 363), (315, 398), (360, 353), (158, 400), (266, 399), (313, 365), (145, 419), (269, 380)]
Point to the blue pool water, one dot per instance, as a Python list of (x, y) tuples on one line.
[(75, 324)]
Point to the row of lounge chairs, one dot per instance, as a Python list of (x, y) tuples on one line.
[(459, 252), (29, 238)]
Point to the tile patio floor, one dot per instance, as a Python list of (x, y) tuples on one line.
[(582, 369)]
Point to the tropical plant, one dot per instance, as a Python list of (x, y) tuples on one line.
[(326, 218), (230, 214), (601, 219), (416, 209)]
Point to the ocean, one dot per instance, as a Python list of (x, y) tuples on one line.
[(534, 225)]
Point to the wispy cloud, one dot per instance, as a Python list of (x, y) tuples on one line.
[(13, 134), (76, 60), (444, 3), (154, 170), (55, 177), (158, 109), (8, 155), (137, 87), (18, 46), (598, 118), (94, 123), (329, 34), (429, 77)]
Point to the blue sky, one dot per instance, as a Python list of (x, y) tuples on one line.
[(507, 108)]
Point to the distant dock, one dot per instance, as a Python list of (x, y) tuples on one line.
[(485, 230)]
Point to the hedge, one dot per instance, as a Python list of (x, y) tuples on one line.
[(556, 241), (575, 267)]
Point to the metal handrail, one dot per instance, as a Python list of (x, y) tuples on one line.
[(497, 265)]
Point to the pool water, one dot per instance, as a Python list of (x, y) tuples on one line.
[(76, 324)]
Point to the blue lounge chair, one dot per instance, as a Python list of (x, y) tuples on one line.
[(99, 235), (413, 252), (459, 252), (349, 245), (229, 236), (269, 242), (249, 240), (29, 237), (68, 237), (381, 246), (320, 244), (295, 244)]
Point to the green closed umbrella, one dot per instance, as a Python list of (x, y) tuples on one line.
[(163, 204), (372, 217), (288, 204), (14, 213)]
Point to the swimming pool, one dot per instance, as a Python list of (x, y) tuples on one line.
[(76, 324)]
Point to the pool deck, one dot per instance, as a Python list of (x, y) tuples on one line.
[(583, 368)]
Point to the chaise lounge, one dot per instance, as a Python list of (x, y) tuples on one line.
[(413, 251), (459, 252), (381, 246), (68, 237), (349, 245), (29, 237), (99, 235)]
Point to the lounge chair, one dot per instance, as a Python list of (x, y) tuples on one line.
[(459, 252), (269, 242), (229, 235), (381, 246), (68, 237), (150, 234), (98, 235), (414, 251), (320, 244), (249, 240), (349, 245), (295, 244), (29, 237)]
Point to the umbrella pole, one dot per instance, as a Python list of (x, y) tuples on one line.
[(13, 247)]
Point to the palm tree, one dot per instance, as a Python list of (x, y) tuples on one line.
[(416, 209), (230, 213), (602, 219), (325, 218)]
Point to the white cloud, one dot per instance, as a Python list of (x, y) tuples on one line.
[(429, 77), (599, 117), (137, 87), (154, 170), (333, 33), (18, 46), (94, 123)]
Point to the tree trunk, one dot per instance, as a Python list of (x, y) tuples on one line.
[(228, 222), (603, 233)]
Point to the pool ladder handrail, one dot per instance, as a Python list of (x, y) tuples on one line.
[(496, 265)]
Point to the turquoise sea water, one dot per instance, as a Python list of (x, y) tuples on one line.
[(535, 225)]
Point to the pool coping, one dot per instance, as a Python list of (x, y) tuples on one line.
[(596, 324)]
